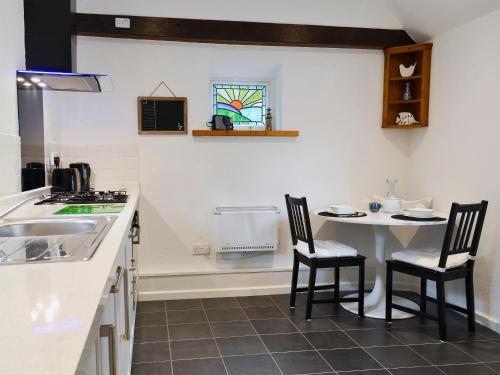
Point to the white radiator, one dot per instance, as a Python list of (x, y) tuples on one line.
[(246, 229)]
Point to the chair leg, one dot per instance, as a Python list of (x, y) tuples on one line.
[(469, 291), (423, 294), (295, 277), (441, 302), (336, 293), (310, 291), (361, 290), (388, 295)]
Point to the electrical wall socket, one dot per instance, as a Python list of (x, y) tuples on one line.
[(122, 23), (201, 248)]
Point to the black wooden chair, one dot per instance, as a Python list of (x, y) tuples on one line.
[(455, 260), (319, 254)]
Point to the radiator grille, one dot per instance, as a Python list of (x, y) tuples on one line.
[(246, 229), (228, 249)]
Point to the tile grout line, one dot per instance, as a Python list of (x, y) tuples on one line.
[(316, 350), (477, 363), (324, 316), (477, 359), (218, 308), (491, 368), (359, 345), (417, 353), (414, 351), (409, 347), (215, 340), (260, 338), (168, 334)]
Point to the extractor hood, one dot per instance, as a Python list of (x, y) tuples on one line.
[(62, 81), (51, 50)]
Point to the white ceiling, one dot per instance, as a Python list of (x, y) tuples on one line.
[(424, 19)]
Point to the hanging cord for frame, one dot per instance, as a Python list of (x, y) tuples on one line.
[(164, 84)]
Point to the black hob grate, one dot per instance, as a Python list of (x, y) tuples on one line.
[(88, 197)]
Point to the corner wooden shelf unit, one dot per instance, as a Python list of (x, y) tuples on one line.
[(394, 85), (245, 133)]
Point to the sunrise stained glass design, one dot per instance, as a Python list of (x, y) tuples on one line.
[(245, 104)]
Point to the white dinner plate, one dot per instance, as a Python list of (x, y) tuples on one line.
[(340, 209), (424, 213)]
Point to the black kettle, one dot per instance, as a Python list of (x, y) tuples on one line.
[(84, 169)]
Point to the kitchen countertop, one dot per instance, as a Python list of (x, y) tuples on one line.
[(48, 310)]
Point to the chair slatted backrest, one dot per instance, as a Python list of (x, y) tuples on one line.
[(464, 236), (298, 217)]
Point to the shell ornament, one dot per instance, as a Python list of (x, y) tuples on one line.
[(406, 118)]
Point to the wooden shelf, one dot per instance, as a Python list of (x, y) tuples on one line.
[(406, 78), (405, 101), (393, 126), (245, 133), (395, 85)]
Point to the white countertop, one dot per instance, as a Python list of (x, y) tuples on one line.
[(47, 310), (381, 218)]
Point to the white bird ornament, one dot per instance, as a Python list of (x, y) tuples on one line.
[(407, 71)]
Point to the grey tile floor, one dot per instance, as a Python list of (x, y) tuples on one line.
[(261, 335)]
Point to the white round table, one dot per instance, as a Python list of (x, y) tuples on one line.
[(375, 300)]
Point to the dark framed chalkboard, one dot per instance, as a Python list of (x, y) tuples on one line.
[(162, 115)]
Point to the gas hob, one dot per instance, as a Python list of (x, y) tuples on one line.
[(87, 197)]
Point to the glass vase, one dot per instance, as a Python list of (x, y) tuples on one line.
[(391, 188)]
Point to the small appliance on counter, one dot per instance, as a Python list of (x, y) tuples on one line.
[(88, 197), (65, 180), (33, 176), (74, 179), (85, 170)]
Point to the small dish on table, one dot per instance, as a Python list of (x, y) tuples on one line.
[(340, 209), (420, 212)]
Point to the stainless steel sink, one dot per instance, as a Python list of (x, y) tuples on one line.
[(52, 239), (44, 228)]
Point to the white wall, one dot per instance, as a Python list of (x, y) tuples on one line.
[(183, 178), (12, 58), (332, 96), (457, 158), (359, 13)]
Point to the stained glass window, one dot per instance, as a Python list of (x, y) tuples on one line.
[(244, 103)]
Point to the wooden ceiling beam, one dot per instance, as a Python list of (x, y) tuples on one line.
[(236, 32)]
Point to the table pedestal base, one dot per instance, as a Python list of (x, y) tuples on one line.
[(375, 307)]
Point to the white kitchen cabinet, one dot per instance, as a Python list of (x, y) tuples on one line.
[(108, 338), (91, 358), (111, 353)]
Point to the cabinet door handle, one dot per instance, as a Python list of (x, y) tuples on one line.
[(135, 234), (108, 331), (134, 291), (137, 240), (132, 267), (115, 288), (126, 335)]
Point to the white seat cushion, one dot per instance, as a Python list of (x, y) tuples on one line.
[(326, 249), (429, 258)]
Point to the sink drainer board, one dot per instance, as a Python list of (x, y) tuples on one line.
[(90, 209), (21, 242)]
